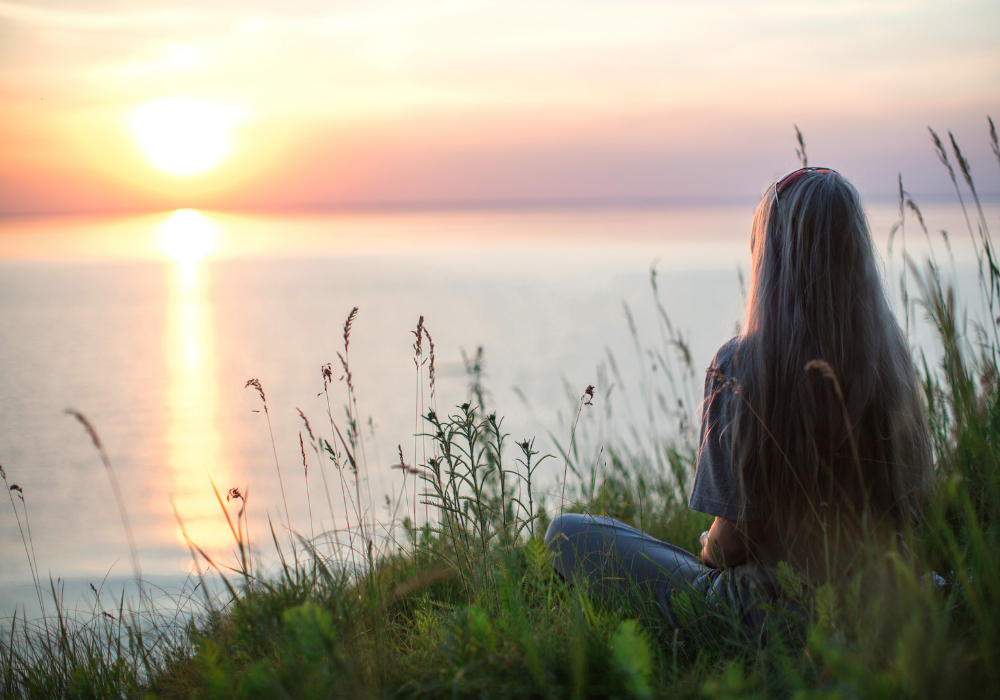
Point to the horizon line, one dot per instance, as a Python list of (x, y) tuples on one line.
[(497, 205)]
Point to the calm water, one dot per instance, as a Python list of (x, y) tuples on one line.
[(152, 325)]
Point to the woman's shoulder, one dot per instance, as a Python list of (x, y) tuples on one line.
[(723, 359)]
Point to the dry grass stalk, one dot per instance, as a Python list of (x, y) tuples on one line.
[(244, 517), (587, 399), (95, 438), (357, 443), (419, 406), (331, 449), (305, 469), (255, 383), (28, 550), (322, 469), (237, 530)]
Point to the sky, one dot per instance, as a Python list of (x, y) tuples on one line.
[(130, 106)]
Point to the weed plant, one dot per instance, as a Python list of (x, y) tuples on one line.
[(457, 597)]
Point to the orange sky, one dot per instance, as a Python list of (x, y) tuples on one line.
[(315, 104)]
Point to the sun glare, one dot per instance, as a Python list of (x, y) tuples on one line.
[(184, 137), (187, 236)]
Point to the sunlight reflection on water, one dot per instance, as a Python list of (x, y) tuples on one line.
[(194, 436)]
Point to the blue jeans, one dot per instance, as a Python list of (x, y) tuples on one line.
[(620, 563)]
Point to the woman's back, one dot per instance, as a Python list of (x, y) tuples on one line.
[(827, 439)]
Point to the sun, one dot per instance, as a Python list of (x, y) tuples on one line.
[(182, 136)]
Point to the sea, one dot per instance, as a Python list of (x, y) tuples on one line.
[(150, 326)]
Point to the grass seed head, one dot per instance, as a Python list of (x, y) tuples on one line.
[(91, 431), (994, 144), (430, 370), (347, 326), (963, 164), (347, 371), (255, 383), (418, 342), (308, 427), (302, 447), (941, 153)]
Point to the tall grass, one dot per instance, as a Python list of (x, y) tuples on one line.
[(457, 596)]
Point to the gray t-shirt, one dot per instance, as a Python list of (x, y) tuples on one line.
[(715, 491)]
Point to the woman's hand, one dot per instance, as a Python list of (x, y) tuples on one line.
[(728, 543)]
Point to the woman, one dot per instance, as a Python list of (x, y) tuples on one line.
[(813, 440)]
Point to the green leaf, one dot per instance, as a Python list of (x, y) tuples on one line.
[(630, 652)]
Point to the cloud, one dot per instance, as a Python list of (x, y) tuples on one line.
[(63, 19)]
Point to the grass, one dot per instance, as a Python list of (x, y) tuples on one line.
[(461, 599)]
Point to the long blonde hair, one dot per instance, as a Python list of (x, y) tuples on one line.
[(828, 433)]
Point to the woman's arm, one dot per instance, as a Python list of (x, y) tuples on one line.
[(728, 543)]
